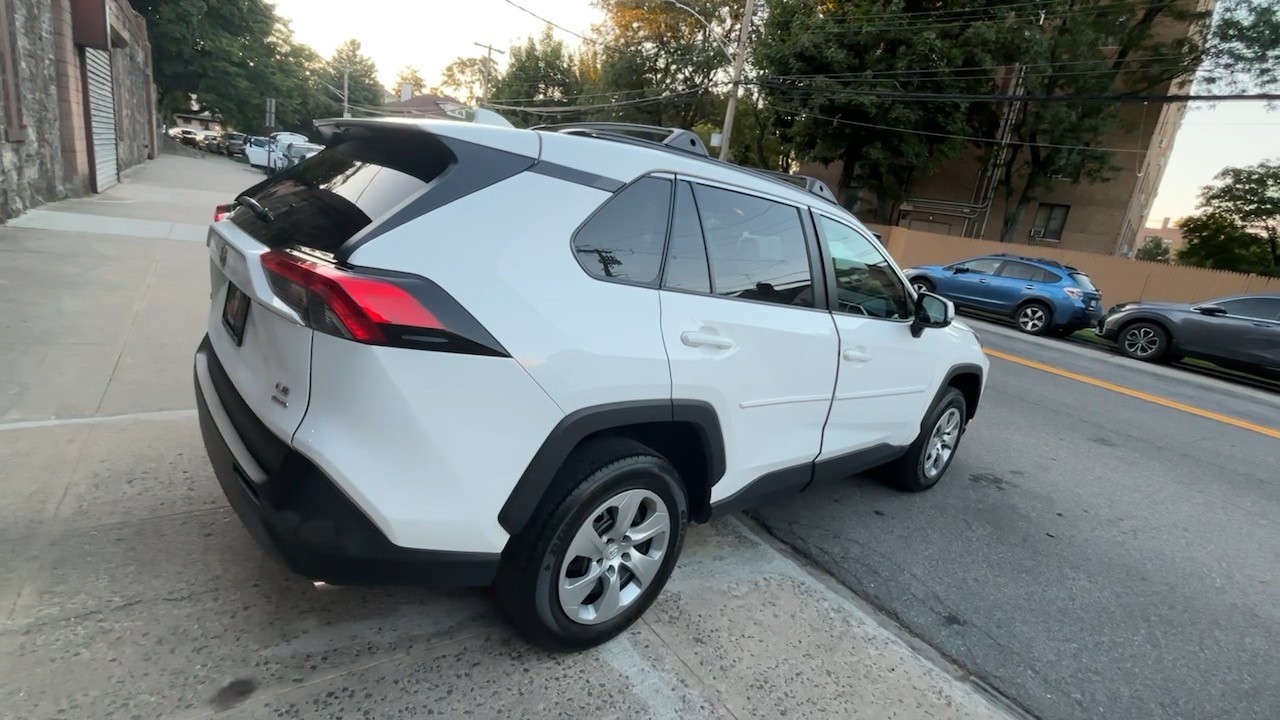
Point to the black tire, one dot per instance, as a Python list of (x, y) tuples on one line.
[(922, 285), (528, 582), (908, 472), (1033, 318), (1142, 340), (1062, 332)]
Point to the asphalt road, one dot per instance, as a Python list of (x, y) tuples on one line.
[(1090, 554)]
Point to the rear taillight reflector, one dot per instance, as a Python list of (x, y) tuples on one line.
[(222, 212), (343, 303), (1076, 293)]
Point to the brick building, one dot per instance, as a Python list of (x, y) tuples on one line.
[(77, 100)]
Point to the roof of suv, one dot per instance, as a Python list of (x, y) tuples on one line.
[(625, 159)]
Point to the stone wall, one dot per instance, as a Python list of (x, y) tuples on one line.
[(53, 160), (31, 171)]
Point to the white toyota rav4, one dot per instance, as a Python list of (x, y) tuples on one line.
[(449, 354)]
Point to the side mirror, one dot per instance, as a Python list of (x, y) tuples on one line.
[(1210, 309), (931, 311)]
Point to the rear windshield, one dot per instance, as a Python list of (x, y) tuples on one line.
[(1083, 281), (235, 136), (323, 202)]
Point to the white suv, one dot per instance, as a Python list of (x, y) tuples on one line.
[(450, 354)]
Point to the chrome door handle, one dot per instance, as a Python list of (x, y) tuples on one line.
[(855, 356), (984, 282), (700, 339), (1028, 287)]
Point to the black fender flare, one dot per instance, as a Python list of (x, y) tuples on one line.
[(578, 425), (952, 374)]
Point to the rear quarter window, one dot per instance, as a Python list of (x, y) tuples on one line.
[(1083, 281)]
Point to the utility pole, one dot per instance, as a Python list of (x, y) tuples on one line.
[(488, 62), (346, 101), (740, 59)]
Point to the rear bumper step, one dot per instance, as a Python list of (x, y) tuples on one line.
[(302, 518)]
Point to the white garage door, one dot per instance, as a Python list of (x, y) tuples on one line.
[(102, 118)]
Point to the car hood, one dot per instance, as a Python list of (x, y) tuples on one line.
[(1140, 305)]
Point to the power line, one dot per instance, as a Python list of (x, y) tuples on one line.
[(950, 136), (561, 109), (1010, 6), (976, 97), (557, 26)]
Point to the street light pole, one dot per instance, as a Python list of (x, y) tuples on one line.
[(739, 60)]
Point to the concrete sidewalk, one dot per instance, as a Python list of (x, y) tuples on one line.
[(129, 589)]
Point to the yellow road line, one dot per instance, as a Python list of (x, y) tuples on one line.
[(1210, 415)]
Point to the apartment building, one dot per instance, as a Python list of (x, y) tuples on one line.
[(961, 198)]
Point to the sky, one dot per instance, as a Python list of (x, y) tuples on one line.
[(429, 35)]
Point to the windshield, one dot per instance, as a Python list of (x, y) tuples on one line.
[(1083, 281)]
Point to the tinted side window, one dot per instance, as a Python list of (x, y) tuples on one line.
[(687, 252), (1020, 271), (986, 266), (625, 238), (1263, 308), (866, 284), (756, 247)]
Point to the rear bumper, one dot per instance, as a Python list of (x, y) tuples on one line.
[(296, 513), (1081, 318)]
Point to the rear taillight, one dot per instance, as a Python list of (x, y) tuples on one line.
[(1076, 293), (374, 307), (222, 212)]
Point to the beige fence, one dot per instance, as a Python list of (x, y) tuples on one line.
[(1119, 279)]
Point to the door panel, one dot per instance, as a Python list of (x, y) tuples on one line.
[(885, 375), (742, 331), (972, 288)]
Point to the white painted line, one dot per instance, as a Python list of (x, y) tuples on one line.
[(648, 682), (98, 419)]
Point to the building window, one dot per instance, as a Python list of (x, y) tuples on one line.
[(15, 130), (1050, 219)]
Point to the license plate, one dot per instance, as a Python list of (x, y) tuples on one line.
[(235, 312)]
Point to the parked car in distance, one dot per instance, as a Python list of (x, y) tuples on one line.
[(293, 153), (1042, 296), (1240, 332), (235, 144), (190, 137), (211, 141), (389, 393), (256, 150)]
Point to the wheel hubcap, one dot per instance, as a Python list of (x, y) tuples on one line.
[(920, 287), (942, 443), (1032, 319), (1141, 342), (614, 557)]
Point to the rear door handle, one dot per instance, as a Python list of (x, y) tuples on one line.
[(984, 282), (855, 356), (1028, 287), (700, 339)]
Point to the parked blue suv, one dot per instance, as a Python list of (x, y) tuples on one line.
[(1044, 297)]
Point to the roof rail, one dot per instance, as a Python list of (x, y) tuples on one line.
[(807, 182), (684, 141), (677, 138), (1044, 261)]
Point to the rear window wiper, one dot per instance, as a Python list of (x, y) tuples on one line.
[(256, 208)]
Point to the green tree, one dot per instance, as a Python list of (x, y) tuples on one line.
[(466, 77), (409, 74), (364, 90), (1153, 250), (824, 67), (220, 52), (1238, 227), (541, 73)]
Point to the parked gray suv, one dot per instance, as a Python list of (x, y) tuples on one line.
[(1241, 332)]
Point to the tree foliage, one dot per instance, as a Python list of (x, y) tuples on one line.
[(229, 56), (1238, 227), (409, 74), (466, 77), (1153, 249)]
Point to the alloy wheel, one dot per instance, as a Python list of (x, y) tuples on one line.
[(942, 443), (1032, 318), (919, 287), (614, 556), (1141, 342)]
